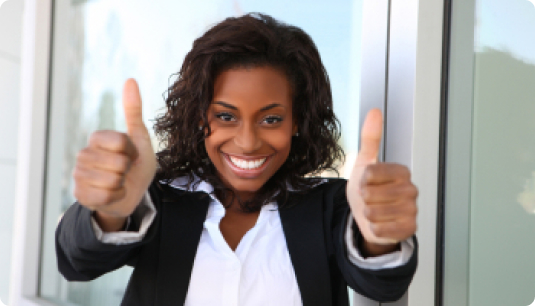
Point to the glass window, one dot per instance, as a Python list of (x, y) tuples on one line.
[(503, 155), (98, 44), (10, 73), (501, 221)]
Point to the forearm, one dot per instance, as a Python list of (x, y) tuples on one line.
[(81, 256), (382, 278)]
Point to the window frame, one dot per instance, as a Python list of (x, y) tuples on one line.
[(32, 143)]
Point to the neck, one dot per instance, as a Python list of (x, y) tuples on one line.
[(232, 202)]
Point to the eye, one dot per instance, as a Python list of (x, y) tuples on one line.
[(272, 119), (227, 117)]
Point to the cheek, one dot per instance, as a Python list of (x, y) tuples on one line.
[(281, 140), (216, 139)]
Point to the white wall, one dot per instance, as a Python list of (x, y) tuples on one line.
[(10, 49)]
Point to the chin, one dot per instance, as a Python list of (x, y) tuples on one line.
[(246, 186)]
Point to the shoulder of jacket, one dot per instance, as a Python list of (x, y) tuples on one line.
[(168, 193), (331, 182)]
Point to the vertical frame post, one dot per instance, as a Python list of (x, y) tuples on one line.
[(410, 74), (35, 62)]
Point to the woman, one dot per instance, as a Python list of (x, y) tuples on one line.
[(229, 213)]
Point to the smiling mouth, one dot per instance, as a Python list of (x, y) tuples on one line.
[(247, 164)]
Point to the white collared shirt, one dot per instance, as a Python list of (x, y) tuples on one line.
[(259, 271)]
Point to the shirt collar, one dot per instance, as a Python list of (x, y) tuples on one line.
[(203, 186), (197, 185)]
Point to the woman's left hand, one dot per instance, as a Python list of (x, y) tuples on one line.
[(381, 195)]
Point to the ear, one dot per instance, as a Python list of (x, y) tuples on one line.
[(294, 128)]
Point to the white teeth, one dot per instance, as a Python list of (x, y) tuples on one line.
[(244, 164)]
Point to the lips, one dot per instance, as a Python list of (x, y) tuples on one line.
[(247, 167)]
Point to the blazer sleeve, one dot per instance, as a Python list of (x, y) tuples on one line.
[(383, 285), (81, 256)]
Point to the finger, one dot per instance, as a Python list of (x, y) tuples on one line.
[(390, 212), (94, 197), (370, 137), (132, 108), (382, 173), (388, 193), (114, 142), (105, 160), (398, 230), (98, 178)]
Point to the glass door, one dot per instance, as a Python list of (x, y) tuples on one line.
[(490, 172)]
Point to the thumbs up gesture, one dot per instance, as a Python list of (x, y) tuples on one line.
[(381, 195), (115, 170)]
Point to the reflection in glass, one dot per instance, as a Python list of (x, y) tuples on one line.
[(502, 234), (98, 44), (527, 197)]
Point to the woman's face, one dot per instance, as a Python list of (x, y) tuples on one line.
[(252, 126)]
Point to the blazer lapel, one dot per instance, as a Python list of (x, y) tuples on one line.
[(303, 224), (182, 225)]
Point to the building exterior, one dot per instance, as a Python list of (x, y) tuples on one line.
[(454, 79)]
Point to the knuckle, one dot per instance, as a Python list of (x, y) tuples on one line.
[(368, 212), (105, 197), (375, 214), (415, 191), (392, 210), (369, 172), (379, 230), (109, 160), (409, 223), (121, 163), (404, 170), (115, 180), (413, 209), (121, 140), (78, 174), (408, 190), (393, 192), (365, 193), (83, 155), (95, 137)]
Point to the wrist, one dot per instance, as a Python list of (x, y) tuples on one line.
[(370, 249), (109, 223)]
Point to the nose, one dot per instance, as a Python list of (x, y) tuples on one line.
[(247, 139)]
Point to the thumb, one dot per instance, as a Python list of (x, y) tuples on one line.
[(370, 144), (370, 137), (132, 108)]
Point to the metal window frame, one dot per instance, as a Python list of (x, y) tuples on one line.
[(458, 155), (411, 102), (31, 162)]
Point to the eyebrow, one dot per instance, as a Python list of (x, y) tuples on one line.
[(265, 108)]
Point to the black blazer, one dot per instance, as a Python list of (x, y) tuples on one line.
[(313, 224)]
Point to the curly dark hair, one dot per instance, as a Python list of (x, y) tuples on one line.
[(252, 40)]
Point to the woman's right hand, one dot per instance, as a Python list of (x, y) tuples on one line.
[(115, 170)]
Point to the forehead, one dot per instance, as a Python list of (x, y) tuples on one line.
[(259, 85)]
